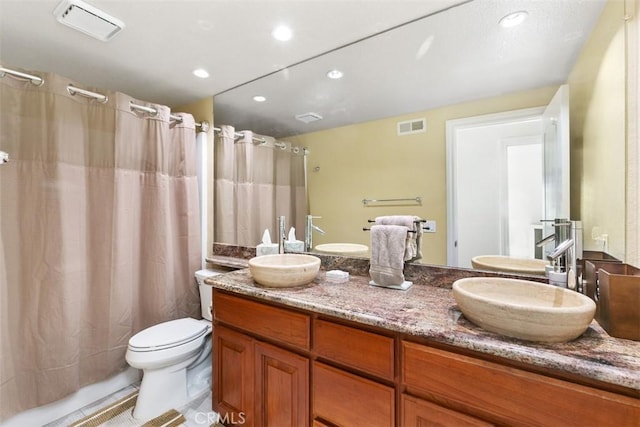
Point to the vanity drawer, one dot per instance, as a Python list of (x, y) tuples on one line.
[(282, 325), (366, 351), (508, 395), (349, 400), (417, 412)]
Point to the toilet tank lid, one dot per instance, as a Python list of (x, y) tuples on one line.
[(168, 334)]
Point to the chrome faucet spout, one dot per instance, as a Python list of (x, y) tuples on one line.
[(560, 249)]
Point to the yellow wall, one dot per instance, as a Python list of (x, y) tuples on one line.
[(203, 111), (597, 88), (369, 160)]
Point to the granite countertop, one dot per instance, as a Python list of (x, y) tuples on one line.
[(431, 312), (227, 261)]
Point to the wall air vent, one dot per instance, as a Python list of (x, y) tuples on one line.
[(412, 126), (88, 19), (309, 117)]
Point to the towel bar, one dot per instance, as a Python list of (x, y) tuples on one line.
[(368, 229), (411, 199), (416, 221)]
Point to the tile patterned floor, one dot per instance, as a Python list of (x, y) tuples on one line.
[(197, 412)]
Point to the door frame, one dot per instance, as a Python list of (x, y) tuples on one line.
[(452, 127)]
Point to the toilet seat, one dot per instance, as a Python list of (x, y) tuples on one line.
[(167, 335)]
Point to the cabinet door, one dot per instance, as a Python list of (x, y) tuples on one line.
[(420, 413), (281, 388), (233, 376), (348, 400)]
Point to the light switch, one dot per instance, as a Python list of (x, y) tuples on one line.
[(429, 226)]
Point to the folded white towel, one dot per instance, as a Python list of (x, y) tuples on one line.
[(413, 249), (388, 243)]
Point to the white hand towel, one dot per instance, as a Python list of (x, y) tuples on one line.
[(412, 250), (418, 237), (388, 244)]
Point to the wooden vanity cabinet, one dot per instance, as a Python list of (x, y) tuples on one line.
[(264, 359), (279, 367)]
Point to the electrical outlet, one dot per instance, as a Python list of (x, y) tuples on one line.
[(429, 226)]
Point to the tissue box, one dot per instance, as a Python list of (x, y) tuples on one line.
[(618, 300), (266, 249), (295, 246), (590, 275)]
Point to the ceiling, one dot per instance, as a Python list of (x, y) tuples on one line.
[(163, 41), (457, 55)]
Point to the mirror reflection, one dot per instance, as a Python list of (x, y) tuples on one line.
[(384, 130)]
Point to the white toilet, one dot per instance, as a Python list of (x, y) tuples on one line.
[(175, 357)]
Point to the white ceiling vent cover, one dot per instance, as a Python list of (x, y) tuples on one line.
[(308, 117), (412, 126), (88, 19)]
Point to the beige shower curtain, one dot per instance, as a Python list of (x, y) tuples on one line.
[(99, 235), (255, 183)]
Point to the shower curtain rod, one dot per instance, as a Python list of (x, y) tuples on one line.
[(241, 135), (38, 81), (72, 90), (277, 144)]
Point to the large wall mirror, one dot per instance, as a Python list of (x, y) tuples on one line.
[(382, 132)]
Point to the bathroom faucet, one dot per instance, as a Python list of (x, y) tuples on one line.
[(281, 234), (557, 252), (308, 232), (564, 256)]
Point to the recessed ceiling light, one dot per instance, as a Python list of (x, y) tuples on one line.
[(335, 74), (513, 19), (259, 98), (282, 33), (201, 72)]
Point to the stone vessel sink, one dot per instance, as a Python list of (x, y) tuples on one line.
[(346, 249), (524, 309), (508, 264), (284, 270)]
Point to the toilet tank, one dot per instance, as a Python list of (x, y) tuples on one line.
[(206, 290)]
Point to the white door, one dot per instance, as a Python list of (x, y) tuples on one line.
[(485, 209), (490, 160)]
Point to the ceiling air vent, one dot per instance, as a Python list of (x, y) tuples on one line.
[(88, 19), (412, 126), (309, 117)]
